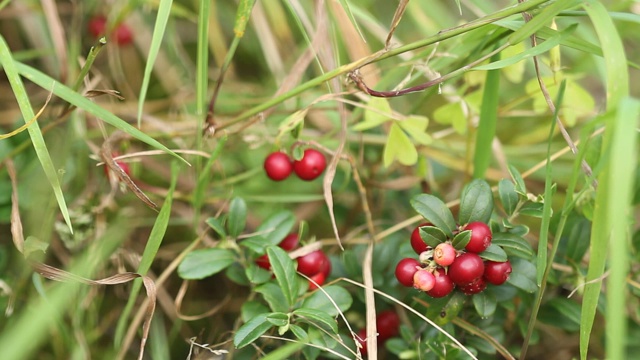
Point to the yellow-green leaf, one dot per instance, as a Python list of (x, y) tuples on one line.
[(377, 112), (416, 127), (399, 147)]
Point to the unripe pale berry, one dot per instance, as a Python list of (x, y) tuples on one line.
[(423, 280), (444, 254)]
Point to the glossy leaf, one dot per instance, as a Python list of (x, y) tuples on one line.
[(201, 263), (494, 253), (533, 209), (278, 319), (461, 239), (485, 303), (523, 275), (319, 300), (434, 211), (251, 309), (237, 217), (432, 235), (476, 202), (273, 296), (276, 227), (513, 244), (520, 187), (318, 318), (299, 332), (251, 331), (285, 272), (217, 225), (508, 196)]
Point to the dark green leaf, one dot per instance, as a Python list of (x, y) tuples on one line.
[(256, 274), (520, 187), (432, 235), (277, 226), (251, 309), (318, 318), (508, 196), (485, 303), (236, 273), (435, 211), (532, 209), (494, 253), (513, 244), (278, 319), (217, 225), (257, 244), (285, 272), (201, 263), (450, 310), (476, 202), (251, 331), (523, 275), (299, 332), (319, 300), (461, 239), (237, 217), (579, 230), (273, 296)]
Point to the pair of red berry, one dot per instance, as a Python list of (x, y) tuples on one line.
[(316, 264), (279, 165), (97, 27), (388, 325), (445, 267)]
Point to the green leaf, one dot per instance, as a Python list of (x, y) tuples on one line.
[(416, 127), (319, 300), (523, 275), (292, 122), (452, 307), (201, 263), (435, 211), (532, 209), (251, 331), (299, 332), (278, 319), (318, 318), (494, 253), (577, 103), (251, 309), (520, 187), (273, 296), (485, 303), (217, 225), (276, 227), (513, 244), (432, 236), (237, 217), (256, 274), (285, 272), (399, 147), (378, 111), (452, 114), (476, 203), (487, 124), (461, 239), (508, 196)]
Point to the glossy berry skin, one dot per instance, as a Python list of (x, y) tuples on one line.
[(417, 243), (444, 254), (310, 166), (467, 268), (319, 278), (388, 324), (278, 166), (423, 280), (480, 237), (497, 273), (443, 285), (289, 242), (263, 262), (475, 287), (313, 263), (405, 270)]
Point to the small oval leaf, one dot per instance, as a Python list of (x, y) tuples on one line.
[(485, 303), (237, 217), (513, 244), (435, 211), (278, 319), (273, 296), (318, 318), (432, 236), (319, 300), (251, 330), (199, 264), (461, 239), (508, 196), (494, 253), (476, 202), (276, 227), (285, 272)]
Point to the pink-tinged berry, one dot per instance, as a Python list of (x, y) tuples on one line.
[(443, 285), (311, 165), (444, 254), (423, 280), (417, 243), (278, 166), (405, 270), (388, 324), (312, 263), (497, 273), (480, 237), (476, 287), (466, 268)]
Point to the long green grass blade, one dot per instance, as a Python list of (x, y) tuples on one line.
[(164, 10), (35, 134), (202, 60), (488, 122), (541, 19)]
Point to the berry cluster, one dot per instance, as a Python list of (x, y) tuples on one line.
[(97, 27), (316, 264), (439, 270), (388, 325), (279, 165)]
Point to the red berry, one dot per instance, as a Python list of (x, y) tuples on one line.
[(466, 268), (310, 166), (405, 270), (476, 287), (443, 285), (123, 35), (97, 25), (480, 237), (417, 243), (388, 324), (423, 280), (263, 262), (444, 254), (278, 166), (497, 272), (312, 263), (289, 243), (362, 339), (319, 278)]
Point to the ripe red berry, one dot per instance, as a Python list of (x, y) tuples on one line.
[(123, 35), (97, 27), (466, 269), (417, 243), (388, 324), (263, 262), (476, 287), (405, 270), (312, 263), (319, 278), (443, 285), (362, 339), (423, 280), (289, 242), (310, 166), (444, 254), (497, 273), (278, 166), (480, 237)]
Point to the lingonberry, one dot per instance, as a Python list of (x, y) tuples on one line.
[(417, 243), (423, 280), (466, 269), (388, 324), (123, 35), (497, 272), (97, 27), (480, 237), (405, 270), (289, 242), (310, 166), (278, 166), (263, 262), (443, 285), (312, 263), (319, 279), (444, 254), (476, 287)]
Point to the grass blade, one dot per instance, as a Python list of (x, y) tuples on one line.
[(488, 122)]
